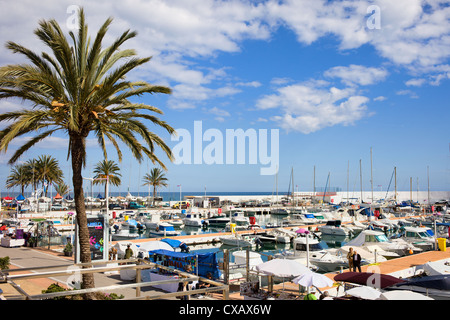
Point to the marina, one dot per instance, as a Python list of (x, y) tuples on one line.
[(228, 235)]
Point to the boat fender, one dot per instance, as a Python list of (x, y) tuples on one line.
[(157, 228)]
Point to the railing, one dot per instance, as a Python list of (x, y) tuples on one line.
[(6, 276)]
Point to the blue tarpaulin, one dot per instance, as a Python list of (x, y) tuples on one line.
[(172, 242)]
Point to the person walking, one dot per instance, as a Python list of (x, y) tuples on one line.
[(356, 261), (350, 259)]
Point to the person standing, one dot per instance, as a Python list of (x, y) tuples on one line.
[(128, 252), (356, 261), (350, 259)]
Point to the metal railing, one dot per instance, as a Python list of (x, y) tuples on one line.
[(8, 276)]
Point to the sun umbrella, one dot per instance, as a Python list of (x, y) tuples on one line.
[(282, 268), (301, 230), (313, 279), (364, 292), (403, 295)]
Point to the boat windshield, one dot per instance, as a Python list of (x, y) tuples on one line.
[(376, 238), (312, 247)]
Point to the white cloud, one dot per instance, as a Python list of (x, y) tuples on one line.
[(357, 75), (307, 109), (380, 98), (253, 84), (409, 93), (415, 82)]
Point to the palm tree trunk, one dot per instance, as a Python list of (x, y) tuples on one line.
[(154, 194), (78, 154)]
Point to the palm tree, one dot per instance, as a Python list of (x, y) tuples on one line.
[(62, 189), (156, 179), (107, 168), (48, 171), (18, 177), (80, 89)]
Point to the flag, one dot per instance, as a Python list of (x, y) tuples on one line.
[(179, 185)]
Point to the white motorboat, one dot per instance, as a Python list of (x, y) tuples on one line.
[(272, 236), (164, 229), (334, 227), (238, 241), (177, 224), (279, 211), (124, 234), (193, 220), (421, 237), (375, 240), (218, 221), (319, 256)]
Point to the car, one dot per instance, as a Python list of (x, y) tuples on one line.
[(59, 207), (135, 205), (113, 206), (181, 205)]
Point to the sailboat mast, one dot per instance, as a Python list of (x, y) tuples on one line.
[(371, 172), (348, 168), (360, 179), (395, 195)]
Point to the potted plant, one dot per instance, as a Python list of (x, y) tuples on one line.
[(68, 249), (32, 242)]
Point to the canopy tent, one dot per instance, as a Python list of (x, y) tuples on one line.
[(99, 196), (58, 197), (206, 262), (369, 279), (284, 268), (20, 197)]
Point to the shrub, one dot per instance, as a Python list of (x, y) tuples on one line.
[(4, 263)]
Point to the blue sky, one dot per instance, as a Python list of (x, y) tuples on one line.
[(314, 70)]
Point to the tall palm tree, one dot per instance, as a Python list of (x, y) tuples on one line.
[(19, 177), (107, 168), (80, 89), (48, 171), (155, 178)]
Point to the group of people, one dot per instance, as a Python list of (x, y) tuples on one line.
[(354, 260)]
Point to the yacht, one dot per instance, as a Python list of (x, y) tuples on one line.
[(372, 240), (421, 237)]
